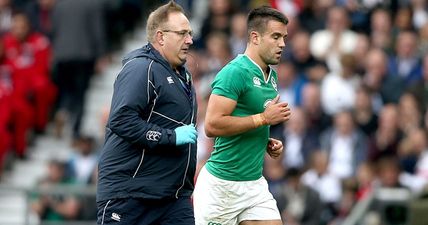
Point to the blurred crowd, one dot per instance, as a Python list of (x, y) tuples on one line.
[(355, 73)]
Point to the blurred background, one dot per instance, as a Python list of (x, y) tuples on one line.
[(355, 73)]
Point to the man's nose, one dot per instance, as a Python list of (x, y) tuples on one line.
[(188, 39)]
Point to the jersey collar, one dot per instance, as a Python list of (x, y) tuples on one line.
[(260, 69)]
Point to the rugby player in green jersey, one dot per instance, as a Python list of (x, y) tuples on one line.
[(244, 102)]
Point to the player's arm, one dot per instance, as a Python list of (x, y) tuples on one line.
[(219, 122)]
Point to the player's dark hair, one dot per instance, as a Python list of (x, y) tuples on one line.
[(259, 17)]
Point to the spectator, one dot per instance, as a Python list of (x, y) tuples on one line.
[(79, 44), (386, 138), (83, 161), (386, 88), (346, 146), (336, 39), (218, 54), (317, 119), (274, 172), (218, 20), (16, 113), (307, 66), (338, 89), (381, 35), (324, 182), (406, 63), (290, 84), (55, 207), (362, 47), (365, 179), (313, 15), (420, 89), (410, 113), (388, 172), (298, 203), (403, 19), (300, 141), (364, 116), (28, 54), (40, 15), (415, 147), (238, 35)]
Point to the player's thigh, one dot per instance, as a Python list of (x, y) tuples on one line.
[(261, 222), (213, 201), (263, 205)]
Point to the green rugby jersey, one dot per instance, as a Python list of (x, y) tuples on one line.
[(240, 157)]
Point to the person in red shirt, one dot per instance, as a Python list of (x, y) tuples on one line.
[(30, 53), (16, 112)]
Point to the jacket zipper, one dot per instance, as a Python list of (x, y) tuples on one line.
[(139, 165), (189, 150)]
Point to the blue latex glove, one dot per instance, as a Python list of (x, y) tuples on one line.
[(185, 134)]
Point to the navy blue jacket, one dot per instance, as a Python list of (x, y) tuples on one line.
[(139, 158)]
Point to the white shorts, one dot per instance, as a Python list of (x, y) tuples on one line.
[(223, 202)]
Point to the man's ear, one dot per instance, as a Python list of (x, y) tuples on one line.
[(159, 38), (255, 38)]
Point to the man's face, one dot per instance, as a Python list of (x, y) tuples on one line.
[(20, 27), (273, 42), (177, 36)]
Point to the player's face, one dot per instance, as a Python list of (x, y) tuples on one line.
[(273, 42), (177, 36)]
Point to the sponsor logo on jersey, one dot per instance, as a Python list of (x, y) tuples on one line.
[(257, 82), (152, 135)]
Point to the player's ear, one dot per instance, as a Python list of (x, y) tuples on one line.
[(255, 37)]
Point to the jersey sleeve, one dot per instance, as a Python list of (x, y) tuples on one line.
[(229, 82)]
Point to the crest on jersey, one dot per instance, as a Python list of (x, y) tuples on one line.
[(267, 102)]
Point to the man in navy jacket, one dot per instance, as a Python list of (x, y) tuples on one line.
[(148, 161)]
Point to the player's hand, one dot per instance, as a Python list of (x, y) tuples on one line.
[(274, 148), (277, 112), (185, 134)]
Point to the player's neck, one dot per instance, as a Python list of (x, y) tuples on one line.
[(253, 55)]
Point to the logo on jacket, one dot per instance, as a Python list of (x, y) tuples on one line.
[(115, 216), (152, 135), (170, 80)]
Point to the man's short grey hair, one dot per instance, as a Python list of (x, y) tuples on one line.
[(160, 16)]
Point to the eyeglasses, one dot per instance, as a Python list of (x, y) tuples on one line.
[(181, 33)]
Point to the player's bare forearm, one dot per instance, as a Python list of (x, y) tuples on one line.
[(218, 121)]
